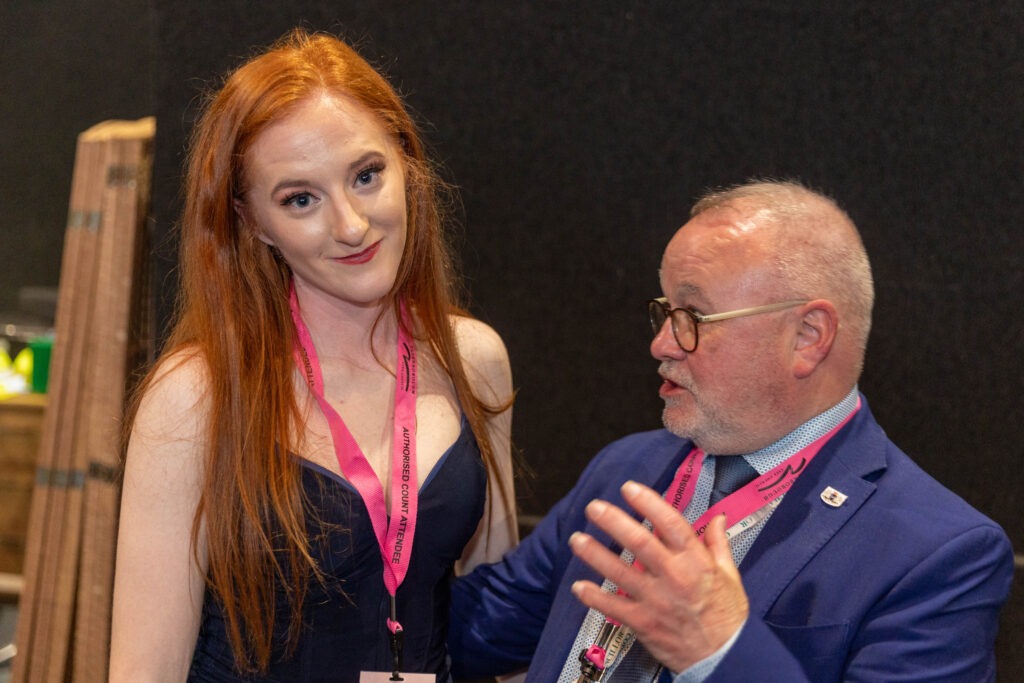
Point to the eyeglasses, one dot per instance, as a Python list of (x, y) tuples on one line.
[(685, 321)]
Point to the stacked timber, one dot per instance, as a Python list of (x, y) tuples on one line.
[(102, 336)]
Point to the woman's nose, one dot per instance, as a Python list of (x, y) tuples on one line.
[(350, 222)]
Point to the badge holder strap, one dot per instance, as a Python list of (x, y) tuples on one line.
[(593, 659), (395, 536), (397, 642)]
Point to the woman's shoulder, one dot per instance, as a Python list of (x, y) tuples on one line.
[(483, 353), (175, 392), (181, 370), (477, 340), (168, 432)]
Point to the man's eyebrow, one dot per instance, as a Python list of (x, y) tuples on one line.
[(686, 291)]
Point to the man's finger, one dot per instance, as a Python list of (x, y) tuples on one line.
[(675, 532), (718, 544), (605, 562), (615, 606), (649, 550)]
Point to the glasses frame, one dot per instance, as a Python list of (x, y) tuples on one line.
[(698, 318)]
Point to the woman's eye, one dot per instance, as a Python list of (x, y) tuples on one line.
[(299, 200), (368, 175)]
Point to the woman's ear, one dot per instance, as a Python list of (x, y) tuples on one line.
[(246, 219), (819, 323)]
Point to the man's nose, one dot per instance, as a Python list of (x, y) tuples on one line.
[(664, 345)]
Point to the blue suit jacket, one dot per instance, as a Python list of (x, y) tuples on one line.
[(903, 582)]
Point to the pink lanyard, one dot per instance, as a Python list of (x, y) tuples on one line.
[(759, 493), (395, 538), (741, 510)]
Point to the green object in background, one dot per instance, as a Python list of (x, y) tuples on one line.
[(41, 347)]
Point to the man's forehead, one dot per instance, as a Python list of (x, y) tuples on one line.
[(724, 242), (736, 227), (737, 217)]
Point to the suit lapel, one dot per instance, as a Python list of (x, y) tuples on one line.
[(803, 523)]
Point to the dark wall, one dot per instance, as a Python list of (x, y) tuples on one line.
[(64, 66), (579, 134), (579, 139)]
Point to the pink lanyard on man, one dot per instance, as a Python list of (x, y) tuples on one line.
[(743, 509), (764, 491), (394, 537)]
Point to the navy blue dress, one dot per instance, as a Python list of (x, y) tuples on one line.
[(344, 620)]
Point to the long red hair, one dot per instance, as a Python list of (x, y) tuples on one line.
[(233, 313)]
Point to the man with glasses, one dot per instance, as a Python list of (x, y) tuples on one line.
[(784, 537)]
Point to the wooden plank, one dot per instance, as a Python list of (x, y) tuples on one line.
[(119, 281), (60, 571), (80, 415), (53, 473), (21, 422), (70, 549), (11, 585)]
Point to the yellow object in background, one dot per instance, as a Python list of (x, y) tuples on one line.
[(16, 377), (12, 379), (23, 363)]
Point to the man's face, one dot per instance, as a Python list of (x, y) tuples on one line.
[(730, 394)]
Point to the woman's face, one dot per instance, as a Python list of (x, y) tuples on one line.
[(326, 187)]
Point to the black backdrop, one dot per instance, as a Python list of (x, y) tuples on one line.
[(579, 134), (64, 66)]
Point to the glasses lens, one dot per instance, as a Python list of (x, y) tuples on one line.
[(685, 330), (658, 314)]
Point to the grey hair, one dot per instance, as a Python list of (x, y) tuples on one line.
[(817, 249)]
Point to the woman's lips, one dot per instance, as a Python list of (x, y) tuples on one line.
[(362, 257)]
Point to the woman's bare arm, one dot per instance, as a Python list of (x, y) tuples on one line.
[(158, 588)]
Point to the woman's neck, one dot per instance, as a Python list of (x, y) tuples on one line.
[(347, 332)]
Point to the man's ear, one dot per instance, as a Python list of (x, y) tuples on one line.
[(819, 323), (246, 219)]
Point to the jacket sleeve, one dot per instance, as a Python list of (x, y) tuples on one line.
[(499, 610)]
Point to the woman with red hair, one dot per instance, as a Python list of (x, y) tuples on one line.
[(326, 434)]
